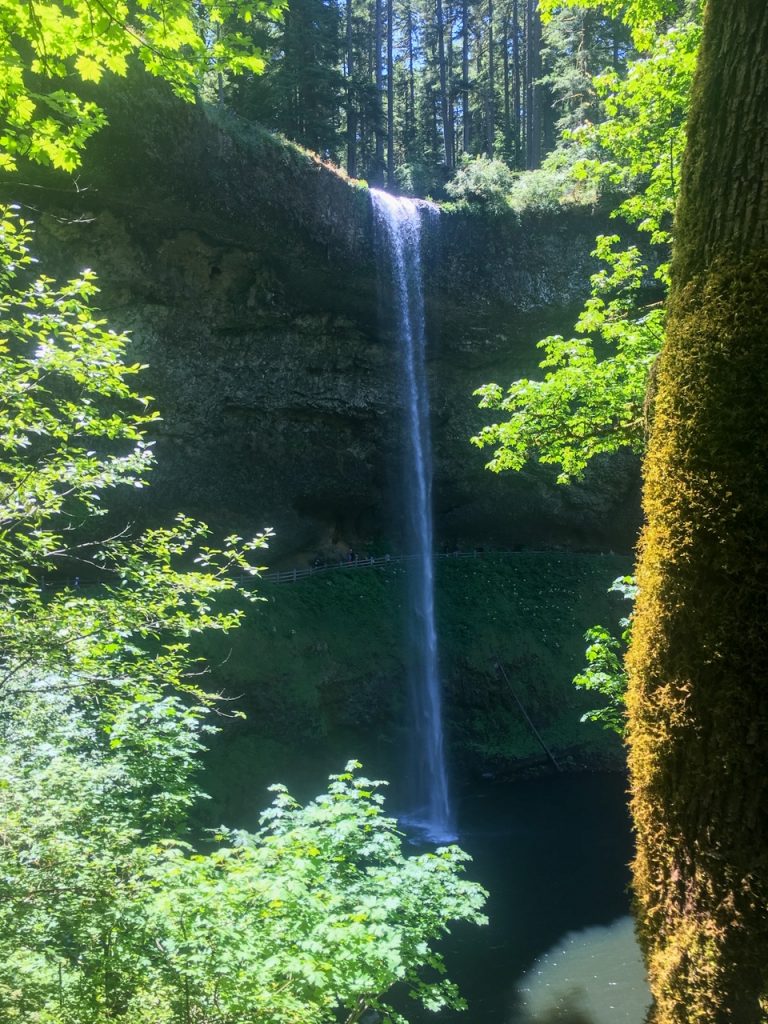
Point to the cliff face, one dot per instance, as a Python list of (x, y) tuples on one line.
[(246, 273)]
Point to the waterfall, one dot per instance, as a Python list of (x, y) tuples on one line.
[(398, 239)]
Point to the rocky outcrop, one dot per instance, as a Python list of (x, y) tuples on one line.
[(245, 270)]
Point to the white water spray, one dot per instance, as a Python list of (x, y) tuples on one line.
[(398, 232)]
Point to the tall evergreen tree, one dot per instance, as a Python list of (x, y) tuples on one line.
[(444, 96), (517, 161), (465, 109), (349, 72), (378, 77), (302, 90), (533, 85), (490, 128)]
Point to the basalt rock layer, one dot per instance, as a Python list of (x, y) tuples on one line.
[(246, 272)]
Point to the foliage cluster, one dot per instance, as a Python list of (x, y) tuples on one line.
[(483, 181), (49, 52), (486, 184), (108, 913), (72, 428), (592, 398), (555, 184), (589, 402), (604, 672)]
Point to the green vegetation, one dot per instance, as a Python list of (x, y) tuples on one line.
[(51, 53), (604, 672), (527, 612), (108, 911), (321, 671), (589, 403), (482, 181), (592, 399), (64, 443)]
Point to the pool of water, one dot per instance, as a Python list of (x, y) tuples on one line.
[(553, 854), (591, 976)]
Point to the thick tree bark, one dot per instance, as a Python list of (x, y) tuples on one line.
[(449, 77), (434, 136), (490, 128), (378, 35), (517, 80), (505, 78), (533, 88), (698, 695), (411, 82)]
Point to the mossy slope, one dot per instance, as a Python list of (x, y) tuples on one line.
[(319, 671)]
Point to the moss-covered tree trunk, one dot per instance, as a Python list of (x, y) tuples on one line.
[(698, 666)]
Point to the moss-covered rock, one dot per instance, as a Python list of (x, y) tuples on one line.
[(319, 671)]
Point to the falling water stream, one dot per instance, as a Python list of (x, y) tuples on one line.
[(552, 852), (398, 239)]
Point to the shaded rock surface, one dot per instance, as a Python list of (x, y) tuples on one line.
[(245, 271)]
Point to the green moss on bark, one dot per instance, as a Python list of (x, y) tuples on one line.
[(698, 681), (699, 689)]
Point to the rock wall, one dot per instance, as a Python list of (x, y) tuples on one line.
[(245, 270)]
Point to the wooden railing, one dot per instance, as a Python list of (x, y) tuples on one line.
[(293, 575), (368, 562)]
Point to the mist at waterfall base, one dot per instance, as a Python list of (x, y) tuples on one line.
[(398, 242)]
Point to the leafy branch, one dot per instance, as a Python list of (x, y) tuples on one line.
[(591, 400)]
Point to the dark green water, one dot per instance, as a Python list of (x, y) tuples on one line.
[(553, 854)]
